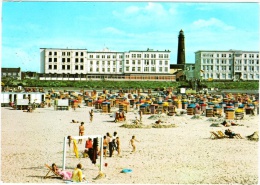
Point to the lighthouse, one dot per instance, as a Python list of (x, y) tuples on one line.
[(181, 49)]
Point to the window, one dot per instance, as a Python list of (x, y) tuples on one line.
[(68, 59), (76, 67), (133, 62), (81, 53), (229, 76), (50, 66), (50, 59), (81, 67), (55, 66), (114, 69), (103, 63), (166, 62), (153, 69), (50, 53), (63, 67), (103, 56), (91, 69), (245, 55), (121, 63), (127, 62), (160, 55), (120, 56), (76, 60), (68, 53), (114, 56), (55, 59), (63, 59), (146, 62), (108, 69), (139, 62), (97, 69), (81, 60), (68, 67), (245, 68), (146, 69), (108, 56), (126, 56), (76, 53), (97, 62), (90, 56), (120, 70), (103, 69), (133, 69), (108, 62), (139, 69), (223, 76), (63, 53), (114, 62), (97, 56), (160, 69), (166, 56), (133, 55), (55, 53), (160, 62), (139, 56)]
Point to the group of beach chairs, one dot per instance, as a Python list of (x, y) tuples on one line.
[(220, 135)]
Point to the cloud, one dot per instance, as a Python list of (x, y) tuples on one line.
[(111, 30), (211, 23)]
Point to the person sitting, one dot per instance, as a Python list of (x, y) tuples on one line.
[(231, 134), (66, 175), (77, 175), (225, 124)]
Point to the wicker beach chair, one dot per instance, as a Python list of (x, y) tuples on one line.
[(54, 174)]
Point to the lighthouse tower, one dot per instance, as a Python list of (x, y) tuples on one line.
[(181, 48)]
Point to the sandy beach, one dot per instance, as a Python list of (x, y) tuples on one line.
[(184, 154)]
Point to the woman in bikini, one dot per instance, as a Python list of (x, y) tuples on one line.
[(105, 144), (81, 131)]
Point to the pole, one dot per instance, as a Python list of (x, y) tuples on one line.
[(101, 155), (64, 154)]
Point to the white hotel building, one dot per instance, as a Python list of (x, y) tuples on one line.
[(226, 65), (80, 64)]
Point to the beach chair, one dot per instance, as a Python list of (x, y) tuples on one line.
[(54, 174), (221, 134), (214, 135)]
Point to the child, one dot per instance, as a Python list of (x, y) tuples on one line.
[(81, 131), (91, 115), (132, 141)]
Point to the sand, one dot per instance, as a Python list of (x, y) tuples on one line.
[(184, 154)]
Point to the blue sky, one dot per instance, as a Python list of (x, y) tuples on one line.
[(124, 26)]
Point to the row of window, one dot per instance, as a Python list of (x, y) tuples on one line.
[(230, 76), (229, 68), (224, 55), (224, 61), (111, 56), (128, 69)]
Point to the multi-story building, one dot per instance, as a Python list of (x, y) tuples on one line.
[(226, 65), (81, 64), (14, 73)]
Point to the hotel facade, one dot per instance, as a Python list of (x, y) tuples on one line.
[(226, 65), (81, 64)]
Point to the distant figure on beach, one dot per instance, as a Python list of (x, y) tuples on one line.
[(118, 148), (70, 139), (91, 113), (73, 121), (231, 134), (141, 115), (132, 142), (88, 145), (225, 124), (77, 175), (110, 144), (105, 144), (66, 175), (81, 131)]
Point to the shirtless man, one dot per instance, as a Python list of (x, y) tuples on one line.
[(132, 142), (141, 115), (118, 145), (105, 146), (81, 131)]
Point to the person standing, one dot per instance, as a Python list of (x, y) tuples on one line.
[(118, 145), (81, 131), (132, 142), (105, 145), (91, 114), (141, 115), (110, 144)]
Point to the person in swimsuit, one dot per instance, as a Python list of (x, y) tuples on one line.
[(91, 115), (81, 131), (105, 143), (132, 142), (118, 145)]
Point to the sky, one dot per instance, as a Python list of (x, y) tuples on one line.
[(124, 26)]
